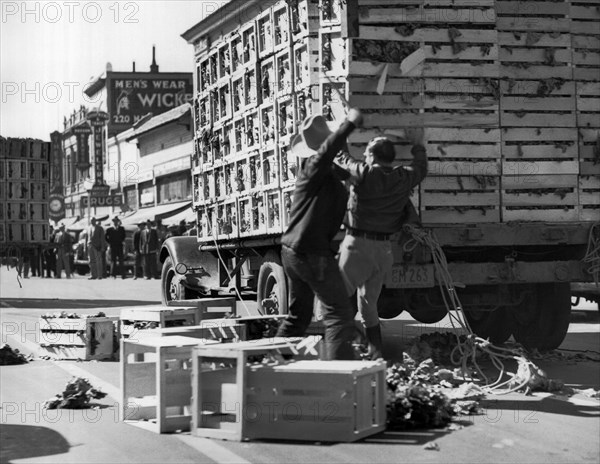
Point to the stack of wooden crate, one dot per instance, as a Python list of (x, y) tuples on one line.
[(24, 190), (585, 42)]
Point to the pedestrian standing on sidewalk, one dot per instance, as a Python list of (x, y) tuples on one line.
[(64, 245), (96, 247), (49, 255), (149, 248), (307, 252), (138, 271), (115, 237), (377, 208)]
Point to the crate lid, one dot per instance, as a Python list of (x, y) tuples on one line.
[(332, 367)]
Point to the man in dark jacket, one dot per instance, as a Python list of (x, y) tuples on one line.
[(138, 272), (115, 237), (316, 216), (96, 247), (379, 198), (149, 247)]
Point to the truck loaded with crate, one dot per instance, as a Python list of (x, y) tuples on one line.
[(509, 96), (24, 196)]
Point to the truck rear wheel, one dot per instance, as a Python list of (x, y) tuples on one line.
[(272, 289), (171, 289), (497, 326), (545, 323)]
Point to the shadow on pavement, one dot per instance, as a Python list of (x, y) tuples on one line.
[(550, 405), (28, 441), (62, 304)]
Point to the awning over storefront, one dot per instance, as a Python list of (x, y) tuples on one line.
[(66, 221), (188, 215), (84, 222), (156, 212)]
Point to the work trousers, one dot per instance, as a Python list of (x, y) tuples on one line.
[(310, 275), (96, 262), (364, 264), (149, 265), (116, 261), (138, 271), (62, 262)]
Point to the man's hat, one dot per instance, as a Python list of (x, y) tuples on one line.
[(312, 133), (116, 218)]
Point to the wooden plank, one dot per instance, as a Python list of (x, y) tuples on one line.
[(515, 39), (459, 3), (540, 134), (511, 167), (589, 135), (372, 3), (540, 72), (584, 27), (62, 323), (532, 199), (585, 74), (584, 12), (531, 8), (464, 168), (589, 214), (588, 151), (588, 104), (443, 216), (539, 151), (461, 102), (533, 55), (435, 150), (589, 168), (385, 101), (538, 120), (588, 120), (540, 215), (427, 15), (585, 42), (373, 68), (434, 134), (445, 52), (460, 199), (392, 85), (428, 35), (588, 88), (509, 23), (459, 183), (538, 104), (460, 70), (529, 88), (466, 120), (531, 182), (454, 86), (586, 58)]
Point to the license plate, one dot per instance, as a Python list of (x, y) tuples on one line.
[(411, 276)]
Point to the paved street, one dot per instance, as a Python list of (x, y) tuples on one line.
[(513, 428)]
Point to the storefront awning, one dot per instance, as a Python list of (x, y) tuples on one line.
[(84, 222), (156, 212), (188, 215)]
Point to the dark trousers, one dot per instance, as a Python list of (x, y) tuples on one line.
[(310, 275), (149, 265), (116, 261), (138, 271)]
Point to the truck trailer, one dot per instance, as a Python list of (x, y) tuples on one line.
[(508, 93)]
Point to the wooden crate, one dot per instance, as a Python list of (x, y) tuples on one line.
[(140, 317), (156, 382), (232, 403), (460, 199), (589, 198), (86, 339), (221, 330), (208, 308), (540, 198)]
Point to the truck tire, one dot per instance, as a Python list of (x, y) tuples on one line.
[(170, 288), (497, 326), (544, 324), (389, 305), (272, 289), (429, 315)]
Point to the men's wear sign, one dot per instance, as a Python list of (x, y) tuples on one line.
[(133, 95)]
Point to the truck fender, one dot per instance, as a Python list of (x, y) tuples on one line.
[(182, 250)]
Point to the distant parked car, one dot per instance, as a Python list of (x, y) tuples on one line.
[(82, 261)]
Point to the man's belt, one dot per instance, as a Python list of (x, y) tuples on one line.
[(369, 235)]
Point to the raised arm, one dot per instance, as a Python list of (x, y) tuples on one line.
[(417, 170)]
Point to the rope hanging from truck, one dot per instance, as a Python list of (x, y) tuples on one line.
[(467, 350), (592, 254)]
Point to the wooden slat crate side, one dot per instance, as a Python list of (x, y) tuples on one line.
[(533, 24), (466, 120), (464, 168), (588, 120), (588, 88), (530, 135), (469, 53), (427, 15), (416, 3), (464, 215), (568, 150), (584, 27), (589, 104), (63, 352), (586, 58), (536, 182), (533, 198), (589, 168), (531, 8), (585, 74), (457, 70), (540, 215), (591, 214), (584, 42), (465, 199), (532, 119), (446, 150), (460, 184), (516, 39), (541, 72), (62, 339), (512, 167), (59, 323), (589, 191), (545, 104), (533, 55), (584, 11), (428, 35)]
